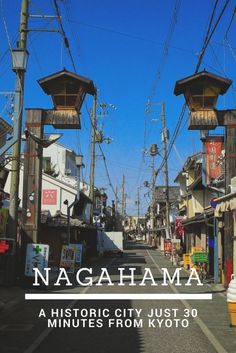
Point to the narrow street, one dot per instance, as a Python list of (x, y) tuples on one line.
[(209, 331)]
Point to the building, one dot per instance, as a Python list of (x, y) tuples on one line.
[(160, 214)]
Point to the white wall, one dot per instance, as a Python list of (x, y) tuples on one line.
[(54, 193)]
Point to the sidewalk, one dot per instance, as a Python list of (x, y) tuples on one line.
[(213, 317), (10, 296)]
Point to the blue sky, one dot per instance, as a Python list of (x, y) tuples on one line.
[(118, 44)]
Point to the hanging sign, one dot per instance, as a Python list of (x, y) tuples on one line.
[(213, 147)]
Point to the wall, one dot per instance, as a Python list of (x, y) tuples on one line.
[(54, 193)]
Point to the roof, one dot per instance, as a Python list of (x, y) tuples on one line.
[(60, 220), (221, 82), (195, 158), (200, 218), (47, 81)]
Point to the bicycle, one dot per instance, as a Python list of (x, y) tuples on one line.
[(202, 271)]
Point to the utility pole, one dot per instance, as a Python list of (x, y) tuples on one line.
[(16, 151), (123, 197), (138, 204), (164, 141), (153, 195), (92, 159), (116, 200), (153, 153), (18, 112)]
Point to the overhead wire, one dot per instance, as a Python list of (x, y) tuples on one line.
[(206, 42), (66, 41), (160, 66), (165, 50)]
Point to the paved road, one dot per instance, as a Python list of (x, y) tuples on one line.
[(128, 327)]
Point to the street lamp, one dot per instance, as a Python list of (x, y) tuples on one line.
[(19, 59), (201, 92)]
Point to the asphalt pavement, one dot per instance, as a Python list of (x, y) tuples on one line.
[(112, 326)]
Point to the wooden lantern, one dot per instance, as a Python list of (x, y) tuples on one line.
[(201, 92), (68, 91)]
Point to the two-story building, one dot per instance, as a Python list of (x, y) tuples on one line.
[(195, 206)]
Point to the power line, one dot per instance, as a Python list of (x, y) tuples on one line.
[(209, 36), (107, 173), (66, 41), (165, 50), (206, 42), (129, 35)]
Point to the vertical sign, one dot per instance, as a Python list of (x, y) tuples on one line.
[(213, 146), (49, 197), (78, 255), (36, 257), (68, 257), (179, 229)]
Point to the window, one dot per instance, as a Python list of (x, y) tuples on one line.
[(46, 166)]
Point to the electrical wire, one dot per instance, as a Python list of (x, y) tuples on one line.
[(66, 41), (107, 173), (206, 42), (165, 50)]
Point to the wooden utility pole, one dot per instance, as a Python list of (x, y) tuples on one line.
[(18, 112), (123, 197), (164, 141), (138, 204), (153, 196), (92, 159), (116, 200)]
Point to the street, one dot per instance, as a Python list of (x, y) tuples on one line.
[(122, 326)]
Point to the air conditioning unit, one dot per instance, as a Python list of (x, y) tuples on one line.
[(67, 171)]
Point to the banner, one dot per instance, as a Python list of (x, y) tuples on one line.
[(179, 229), (213, 147)]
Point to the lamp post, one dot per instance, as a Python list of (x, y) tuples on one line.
[(19, 64), (68, 91), (201, 92)]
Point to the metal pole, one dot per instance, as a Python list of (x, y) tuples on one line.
[(18, 112), (216, 258), (92, 160), (153, 195), (68, 223), (123, 197), (116, 200), (138, 210), (164, 140), (78, 183)]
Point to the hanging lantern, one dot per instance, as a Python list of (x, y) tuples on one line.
[(201, 92)]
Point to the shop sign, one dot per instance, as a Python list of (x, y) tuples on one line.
[(49, 197), (179, 229), (36, 257), (213, 147), (78, 255), (68, 257)]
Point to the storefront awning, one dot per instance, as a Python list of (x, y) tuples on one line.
[(225, 203), (200, 218)]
